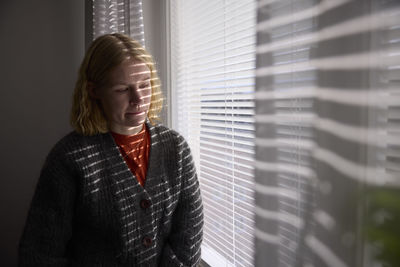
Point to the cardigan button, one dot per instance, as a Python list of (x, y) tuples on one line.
[(147, 241), (145, 203)]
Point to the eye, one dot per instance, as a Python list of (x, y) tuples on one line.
[(144, 85), (121, 89)]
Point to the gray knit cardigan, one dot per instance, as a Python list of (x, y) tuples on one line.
[(89, 210)]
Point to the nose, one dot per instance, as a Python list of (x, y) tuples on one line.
[(134, 97)]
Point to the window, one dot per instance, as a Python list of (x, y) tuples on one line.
[(120, 16), (213, 64)]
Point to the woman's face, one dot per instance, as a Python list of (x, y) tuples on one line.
[(126, 98)]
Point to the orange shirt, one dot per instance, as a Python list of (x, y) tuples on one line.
[(135, 150)]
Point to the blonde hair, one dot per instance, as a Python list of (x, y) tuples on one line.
[(105, 53)]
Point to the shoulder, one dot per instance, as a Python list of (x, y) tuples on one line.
[(171, 140), (75, 143), (71, 141), (165, 134)]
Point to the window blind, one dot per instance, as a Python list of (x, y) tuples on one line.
[(327, 169), (122, 16), (213, 63)]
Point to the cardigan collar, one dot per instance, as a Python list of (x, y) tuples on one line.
[(155, 169)]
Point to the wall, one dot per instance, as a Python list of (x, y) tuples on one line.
[(42, 44)]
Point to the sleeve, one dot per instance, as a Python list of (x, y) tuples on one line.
[(48, 227), (183, 246)]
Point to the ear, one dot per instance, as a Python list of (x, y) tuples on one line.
[(92, 90)]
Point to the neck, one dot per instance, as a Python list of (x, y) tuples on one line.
[(127, 130)]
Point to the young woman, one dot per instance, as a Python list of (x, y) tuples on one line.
[(120, 190)]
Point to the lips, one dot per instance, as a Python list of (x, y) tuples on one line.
[(135, 113)]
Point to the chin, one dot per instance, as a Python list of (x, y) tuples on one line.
[(135, 124)]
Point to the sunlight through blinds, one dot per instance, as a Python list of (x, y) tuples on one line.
[(213, 63), (122, 16), (327, 168)]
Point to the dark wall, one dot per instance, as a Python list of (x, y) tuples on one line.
[(41, 46)]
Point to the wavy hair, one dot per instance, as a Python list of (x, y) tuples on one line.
[(105, 53)]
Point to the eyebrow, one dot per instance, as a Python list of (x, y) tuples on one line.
[(145, 78), (142, 73)]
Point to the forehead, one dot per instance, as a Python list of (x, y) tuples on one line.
[(130, 69)]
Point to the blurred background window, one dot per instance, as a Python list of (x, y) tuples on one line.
[(327, 168)]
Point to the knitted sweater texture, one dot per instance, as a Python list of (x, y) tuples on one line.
[(89, 209)]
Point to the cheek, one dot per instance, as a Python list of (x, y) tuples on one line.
[(113, 105), (148, 96)]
